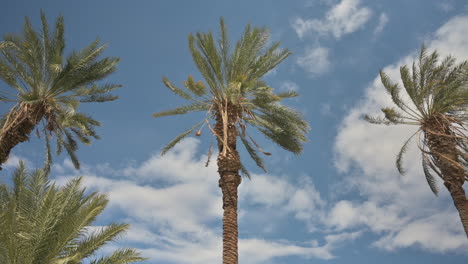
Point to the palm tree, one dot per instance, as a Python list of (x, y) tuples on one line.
[(48, 89), (237, 98), (438, 94), (42, 223)]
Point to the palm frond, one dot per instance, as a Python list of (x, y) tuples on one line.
[(245, 172), (223, 44), (287, 94), (120, 256), (376, 120), (196, 107), (253, 153), (429, 176), (198, 88), (399, 160), (180, 137), (175, 89), (48, 160), (203, 66), (87, 246)]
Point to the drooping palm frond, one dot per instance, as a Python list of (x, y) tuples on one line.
[(428, 169), (33, 64), (399, 159), (42, 223), (234, 81)]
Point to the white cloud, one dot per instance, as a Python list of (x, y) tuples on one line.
[(289, 86), (426, 233), (13, 162), (452, 38), (383, 20), (249, 248), (174, 205), (446, 5), (401, 209), (344, 18), (315, 60), (302, 26), (266, 190)]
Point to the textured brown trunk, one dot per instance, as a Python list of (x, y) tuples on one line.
[(18, 126), (444, 149), (228, 168)]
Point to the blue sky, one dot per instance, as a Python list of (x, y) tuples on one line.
[(342, 201)]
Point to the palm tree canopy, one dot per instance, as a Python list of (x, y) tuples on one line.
[(33, 64), (438, 96), (234, 85), (43, 223)]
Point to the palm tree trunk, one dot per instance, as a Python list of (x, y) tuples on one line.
[(19, 123), (228, 168), (443, 147), (461, 202)]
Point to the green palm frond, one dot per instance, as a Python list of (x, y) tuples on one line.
[(196, 107), (48, 160), (176, 89), (431, 181), (245, 172), (376, 120), (42, 223), (287, 94), (121, 256), (198, 88), (399, 159), (180, 137), (253, 153), (86, 247)]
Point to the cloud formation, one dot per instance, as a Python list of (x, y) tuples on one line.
[(289, 86), (344, 18), (174, 205), (383, 20), (315, 60)]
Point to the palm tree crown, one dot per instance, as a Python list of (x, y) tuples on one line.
[(42, 223), (236, 92), (439, 99), (48, 88)]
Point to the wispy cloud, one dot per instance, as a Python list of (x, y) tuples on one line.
[(383, 20), (315, 60), (289, 86), (14, 160), (325, 109), (446, 5), (343, 18)]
